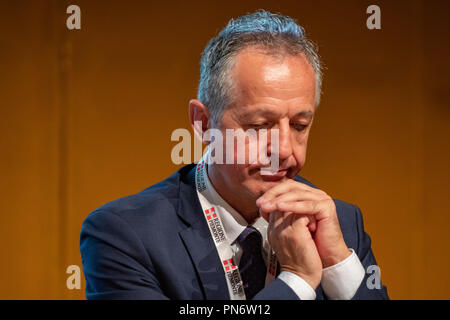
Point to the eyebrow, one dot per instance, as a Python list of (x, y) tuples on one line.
[(302, 114)]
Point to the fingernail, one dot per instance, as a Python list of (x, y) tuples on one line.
[(267, 203)]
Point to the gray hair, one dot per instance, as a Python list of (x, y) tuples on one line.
[(274, 33)]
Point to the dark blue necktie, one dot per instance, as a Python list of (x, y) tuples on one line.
[(251, 265)]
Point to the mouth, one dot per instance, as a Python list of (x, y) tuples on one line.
[(277, 176)]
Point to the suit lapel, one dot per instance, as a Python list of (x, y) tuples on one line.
[(197, 239)]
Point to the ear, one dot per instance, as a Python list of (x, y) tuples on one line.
[(199, 118)]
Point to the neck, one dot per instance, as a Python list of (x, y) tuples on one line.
[(240, 200)]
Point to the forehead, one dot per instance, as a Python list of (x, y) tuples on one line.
[(267, 80)]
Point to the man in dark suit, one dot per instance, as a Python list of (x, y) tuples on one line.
[(227, 229)]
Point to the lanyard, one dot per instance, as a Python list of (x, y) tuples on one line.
[(232, 274)]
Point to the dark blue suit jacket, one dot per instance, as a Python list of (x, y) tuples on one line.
[(156, 245)]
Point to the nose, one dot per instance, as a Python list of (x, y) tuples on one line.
[(285, 147), (284, 142)]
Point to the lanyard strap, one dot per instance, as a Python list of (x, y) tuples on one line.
[(232, 274)]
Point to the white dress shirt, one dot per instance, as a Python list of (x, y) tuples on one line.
[(339, 282)]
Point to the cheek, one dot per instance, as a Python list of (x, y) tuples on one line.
[(233, 172), (300, 157), (300, 151)]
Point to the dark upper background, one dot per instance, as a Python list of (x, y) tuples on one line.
[(86, 117)]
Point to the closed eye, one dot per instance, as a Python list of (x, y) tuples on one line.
[(258, 126), (299, 126)]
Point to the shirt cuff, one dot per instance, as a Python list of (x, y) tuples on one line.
[(342, 280), (301, 288)]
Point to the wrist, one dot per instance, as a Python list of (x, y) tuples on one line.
[(336, 258), (312, 280)]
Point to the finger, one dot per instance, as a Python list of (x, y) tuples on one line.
[(280, 221), (311, 221), (273, 192), (275, 220), (300, 222), (307, 207), (293, 195), (264, 214), (309, 188), (287, 220), (313, 224), (285, 187)]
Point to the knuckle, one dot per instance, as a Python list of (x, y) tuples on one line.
[(330, 202), (304, 220), (286, 235), (312, 206)]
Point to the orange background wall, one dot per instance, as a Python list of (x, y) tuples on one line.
[(86, 117)]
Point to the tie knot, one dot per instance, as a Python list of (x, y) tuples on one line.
[(250, 238)]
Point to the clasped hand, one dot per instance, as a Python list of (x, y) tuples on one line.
[(304, 229)]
